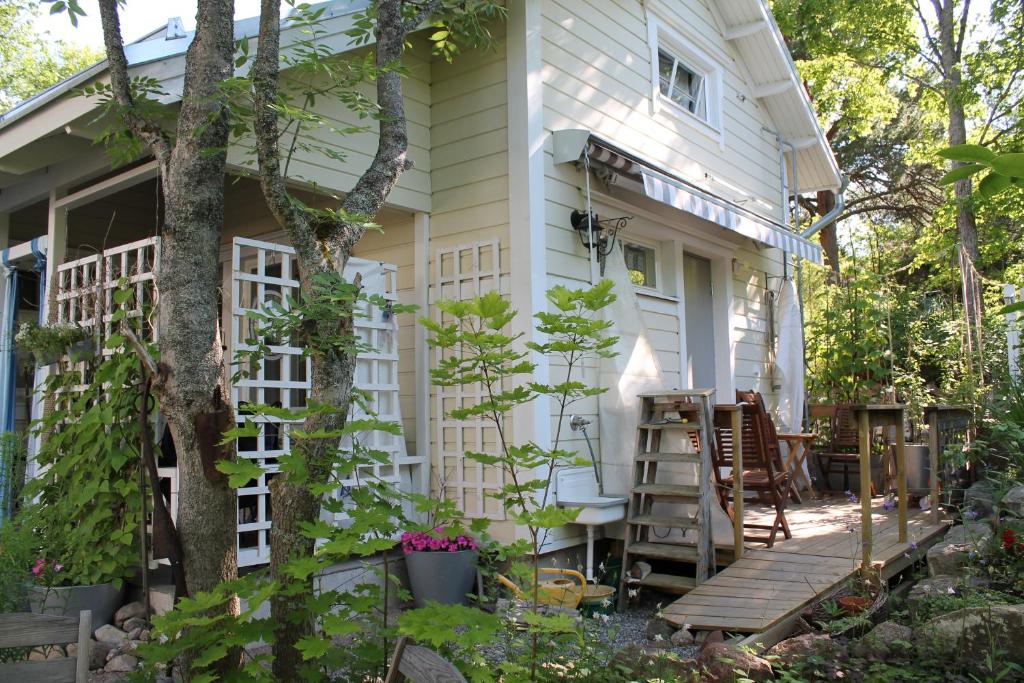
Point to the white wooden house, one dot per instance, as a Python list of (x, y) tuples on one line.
[(686, 115)]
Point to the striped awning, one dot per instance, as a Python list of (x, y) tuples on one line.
[(676, 193)]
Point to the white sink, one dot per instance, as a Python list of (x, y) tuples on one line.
[(598, 509), (576, 487)]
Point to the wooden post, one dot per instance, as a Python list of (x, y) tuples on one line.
[(737, 483), (901, 479), (864, 430), (933, 466), (84, 643)]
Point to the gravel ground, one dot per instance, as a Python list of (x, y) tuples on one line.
[(618, 631)]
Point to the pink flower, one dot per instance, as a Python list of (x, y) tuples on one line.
[(39, 566)]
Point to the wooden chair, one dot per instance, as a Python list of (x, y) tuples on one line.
[(762, 474), (420, 665), (773, 441), (842, 451), (26, 630)]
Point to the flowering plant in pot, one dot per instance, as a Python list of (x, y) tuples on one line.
[(441, 565)]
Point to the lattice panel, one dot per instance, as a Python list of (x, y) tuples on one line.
[(462, 273), (262, 273)]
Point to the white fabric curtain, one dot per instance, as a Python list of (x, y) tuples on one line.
[(789, 359)]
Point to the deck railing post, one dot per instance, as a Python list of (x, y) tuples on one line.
[(933, 466), (737, 483), (864, 432), (901, 478)]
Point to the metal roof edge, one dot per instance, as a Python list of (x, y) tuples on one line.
[(780, 43)]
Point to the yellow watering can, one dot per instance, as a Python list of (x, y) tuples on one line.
[(565, 591)]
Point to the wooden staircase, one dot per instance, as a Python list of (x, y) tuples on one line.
[(689, 413)]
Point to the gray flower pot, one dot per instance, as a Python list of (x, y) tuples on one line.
[(441, 577), (101, 598)]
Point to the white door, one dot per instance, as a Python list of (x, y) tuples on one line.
[(700, 314)]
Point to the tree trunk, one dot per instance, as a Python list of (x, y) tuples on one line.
[(828, 237), (191, 387), (319, 249), (950, 46)]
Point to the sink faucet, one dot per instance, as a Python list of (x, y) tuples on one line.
[(578, 423)]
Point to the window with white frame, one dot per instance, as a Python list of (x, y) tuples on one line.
[(641, 264), (683, 84), (685, 80)]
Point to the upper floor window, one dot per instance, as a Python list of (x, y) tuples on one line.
[(685, 80), (682, 84)]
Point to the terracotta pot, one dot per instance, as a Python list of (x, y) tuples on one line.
[(854, 604)]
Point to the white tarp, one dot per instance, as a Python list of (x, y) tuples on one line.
[(636, 370), (789, 360)]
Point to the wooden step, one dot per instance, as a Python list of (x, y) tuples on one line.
[(664, 521), (691, 426), (668, 490), (692, 458), (668, 583), (664, 551)]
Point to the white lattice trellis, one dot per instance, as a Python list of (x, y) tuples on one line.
[(265, 272), (465, 272), (85, 294)]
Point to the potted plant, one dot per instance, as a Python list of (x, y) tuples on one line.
[(441, 565), (56, 590), (47, 343)]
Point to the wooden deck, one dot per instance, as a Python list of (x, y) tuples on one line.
[(769, 586)]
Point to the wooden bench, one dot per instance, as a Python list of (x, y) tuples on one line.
[(27, 630)]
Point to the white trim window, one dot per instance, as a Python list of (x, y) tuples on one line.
[(685, 81)]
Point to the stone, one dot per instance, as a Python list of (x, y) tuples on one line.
[(724, 664), (134, 634), (975, 534), (659, 630), (97, 653), (980, 497), (130, 625), (682, 638), (886, 640), (42, 652), (969, 635), (110, 634), (793, 649), (122, 663), (132, 609), (956, 549), (1013, 501), (644, 663), (928, 588), (145, 635)]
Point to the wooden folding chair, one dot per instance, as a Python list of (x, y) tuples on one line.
[(420, 665), (762, 474), (27, 630)]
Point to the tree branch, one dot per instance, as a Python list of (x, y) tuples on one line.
[(265, 74), (148, 131)]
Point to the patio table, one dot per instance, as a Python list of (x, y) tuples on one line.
[(799, 449)]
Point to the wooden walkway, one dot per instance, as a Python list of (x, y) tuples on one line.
[(768, 586)]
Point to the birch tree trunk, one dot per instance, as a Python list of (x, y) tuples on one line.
[(190, 382)]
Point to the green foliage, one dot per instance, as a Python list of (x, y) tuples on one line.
[(19, 548), (1003, 171), (88, 508), (13, 459), (30, 60), (478, 350)]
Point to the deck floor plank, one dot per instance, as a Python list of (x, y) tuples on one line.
[(768, 585)]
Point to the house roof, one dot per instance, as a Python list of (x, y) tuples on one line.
[(748, 24), (751, 28)]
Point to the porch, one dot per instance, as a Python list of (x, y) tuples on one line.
[(763, 591)]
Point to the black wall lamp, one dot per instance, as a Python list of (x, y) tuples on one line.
[(597, 234)]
